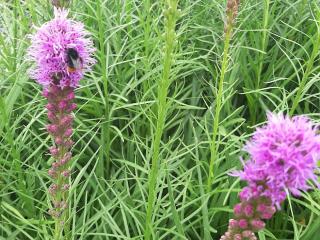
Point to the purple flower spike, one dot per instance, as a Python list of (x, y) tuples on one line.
[(284, 155), (62, 50)]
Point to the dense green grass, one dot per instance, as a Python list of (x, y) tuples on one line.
[(273, 65)]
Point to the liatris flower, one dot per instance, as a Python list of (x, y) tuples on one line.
[(62, 52), (284, 156)]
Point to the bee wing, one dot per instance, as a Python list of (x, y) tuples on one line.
[(76, 63)]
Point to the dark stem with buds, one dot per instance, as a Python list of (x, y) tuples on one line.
[(60, 107)]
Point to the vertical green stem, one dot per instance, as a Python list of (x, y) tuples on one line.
[(314, 54), (58, 230), (105, 134), (214, 143), (264, 38), (170, 22)]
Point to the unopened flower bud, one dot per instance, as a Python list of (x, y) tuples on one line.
[(243, 223), (65, 173), (72, 107), (58, 140), (53, 188), (50, 107), (54, 151), (247, 234), (52, 129), (51, 116), (70, 96), (237, 237), (62, 105), (52, 173), (68, 132), (54, 213), (66, 120), (257, 224), (69, 143), (65, 187), (248, 210), (45, 93), (237, 209), (55, 165), (233, 223)]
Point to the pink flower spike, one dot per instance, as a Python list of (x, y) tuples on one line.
[(279, 152), (50, 47)]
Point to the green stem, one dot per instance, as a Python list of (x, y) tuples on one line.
[(264, 39), (58, 230), (105, 134), (214, 143), (170, 36), (315, 51)]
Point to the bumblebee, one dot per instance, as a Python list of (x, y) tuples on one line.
[(74, 62)]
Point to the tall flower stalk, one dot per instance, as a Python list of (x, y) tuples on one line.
[(61, 50), (284, 155), (231, 12), (231, 15), (171, 15)]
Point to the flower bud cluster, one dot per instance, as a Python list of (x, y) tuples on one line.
[(232, 13), (249, 216), (60, 106)]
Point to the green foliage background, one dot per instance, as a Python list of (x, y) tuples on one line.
[(273, 58)]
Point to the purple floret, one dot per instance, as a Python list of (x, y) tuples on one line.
[(49, 47)]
